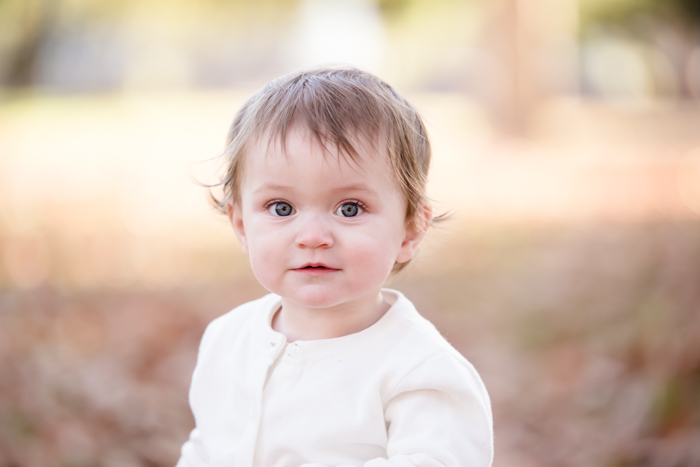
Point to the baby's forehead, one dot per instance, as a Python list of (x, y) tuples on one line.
[(301, 159), (354, 149)]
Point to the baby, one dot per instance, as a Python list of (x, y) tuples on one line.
[(325, 189)]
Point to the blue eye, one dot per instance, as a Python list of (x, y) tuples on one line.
[(349, 210), (280, 208)]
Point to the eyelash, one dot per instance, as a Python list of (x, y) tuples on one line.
[(355, 202), (268, 206)]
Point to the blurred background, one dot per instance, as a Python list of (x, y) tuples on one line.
[(566, 141)]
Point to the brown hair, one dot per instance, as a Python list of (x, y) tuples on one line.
[(339, 106)]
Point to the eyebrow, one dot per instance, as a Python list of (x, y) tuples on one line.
[(274, 187), (364, 188)]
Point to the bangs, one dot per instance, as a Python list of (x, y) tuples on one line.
[(338, 111)]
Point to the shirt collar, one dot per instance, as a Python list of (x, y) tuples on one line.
[(312, 350)]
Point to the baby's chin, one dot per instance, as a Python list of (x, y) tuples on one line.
[(316, 298), (320, 297)]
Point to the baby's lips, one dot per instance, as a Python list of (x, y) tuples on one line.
[(315, 265), (319, 266)]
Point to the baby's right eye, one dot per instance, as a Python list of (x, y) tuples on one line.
[(280, 208)]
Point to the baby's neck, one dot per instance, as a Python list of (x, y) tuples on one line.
[(300, 323)]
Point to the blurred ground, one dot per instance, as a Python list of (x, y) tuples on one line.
[(570, 275)]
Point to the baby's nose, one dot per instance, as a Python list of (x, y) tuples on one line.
[(314, 232)]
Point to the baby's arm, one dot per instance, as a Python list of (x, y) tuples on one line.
[(193, 453), (439, 416)]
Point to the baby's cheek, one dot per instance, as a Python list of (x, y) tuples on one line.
[(375, 258), (265, 259)]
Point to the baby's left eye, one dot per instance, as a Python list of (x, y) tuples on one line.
[(349, 210)]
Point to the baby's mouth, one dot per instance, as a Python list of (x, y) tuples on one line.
[(315, 267)]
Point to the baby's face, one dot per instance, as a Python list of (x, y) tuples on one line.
[(319, 230)]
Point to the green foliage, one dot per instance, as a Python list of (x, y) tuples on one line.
[(624, 12), (677, 403)]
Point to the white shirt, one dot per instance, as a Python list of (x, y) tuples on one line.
[(393, 395)]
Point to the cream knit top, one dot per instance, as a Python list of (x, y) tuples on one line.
[(393, 395)]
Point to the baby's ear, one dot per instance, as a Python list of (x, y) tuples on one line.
[(415, 230), (233, 210)]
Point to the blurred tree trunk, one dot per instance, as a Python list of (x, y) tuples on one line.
[(531, 55), (678, 42), (36, 18), (508, 91)]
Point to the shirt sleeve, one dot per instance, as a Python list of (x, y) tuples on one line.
[(192, 453), (439, 416)]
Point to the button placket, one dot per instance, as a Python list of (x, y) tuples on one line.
[(275, 347), (293, 350)]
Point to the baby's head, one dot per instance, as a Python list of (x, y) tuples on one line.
[(356, 124)]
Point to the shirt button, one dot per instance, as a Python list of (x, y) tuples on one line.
[(293, 350)]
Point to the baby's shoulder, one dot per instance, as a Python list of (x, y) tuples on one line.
[(418, 337), (431, 362)]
